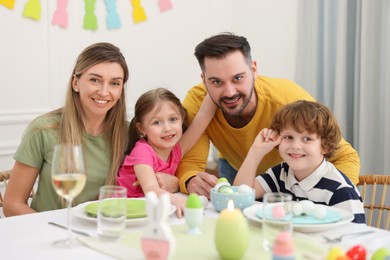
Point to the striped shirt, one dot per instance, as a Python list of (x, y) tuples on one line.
[(326, 185)]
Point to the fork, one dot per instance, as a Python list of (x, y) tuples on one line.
[(339, 238)]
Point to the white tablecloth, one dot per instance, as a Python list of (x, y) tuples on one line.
[(29, 236)]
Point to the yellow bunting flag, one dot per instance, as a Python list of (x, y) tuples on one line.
[(139, 14), (90, 20), (8, 3), (60, 16), (32, 9)]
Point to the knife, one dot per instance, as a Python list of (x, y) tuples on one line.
[(75, 231)]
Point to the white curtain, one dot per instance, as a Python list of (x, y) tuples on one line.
[(343, 59)]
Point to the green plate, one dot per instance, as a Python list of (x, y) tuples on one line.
[(135, 208)]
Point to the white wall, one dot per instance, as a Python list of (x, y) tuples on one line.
[(36, 57)]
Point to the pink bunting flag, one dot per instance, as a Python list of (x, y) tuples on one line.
[(139, 14), (32, 9), (8, 3), (165, 5), (60, 16)]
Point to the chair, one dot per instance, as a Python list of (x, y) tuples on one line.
[(4, 176), (373, 188)]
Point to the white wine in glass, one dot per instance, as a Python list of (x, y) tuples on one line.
[(68, 178)]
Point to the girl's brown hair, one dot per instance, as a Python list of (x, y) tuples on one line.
[(144, 105)]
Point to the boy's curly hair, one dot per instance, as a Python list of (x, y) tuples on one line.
[(312, 117)]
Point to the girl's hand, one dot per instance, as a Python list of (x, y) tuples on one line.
[(179, 201)]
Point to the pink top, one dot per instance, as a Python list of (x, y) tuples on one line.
[(143, 153)]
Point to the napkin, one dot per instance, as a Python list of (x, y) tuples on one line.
[(135, 208), (201, 246)]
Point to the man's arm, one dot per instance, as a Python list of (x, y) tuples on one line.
[(347, 160), (195, 160)]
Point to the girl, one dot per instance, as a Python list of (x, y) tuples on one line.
[(308, 135), (157, 143)]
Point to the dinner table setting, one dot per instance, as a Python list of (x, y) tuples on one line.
[(208, 230)]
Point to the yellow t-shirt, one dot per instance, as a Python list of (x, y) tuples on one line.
[(234, 143)]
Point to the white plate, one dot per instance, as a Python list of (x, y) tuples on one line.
[(346, 217), (79, 212)]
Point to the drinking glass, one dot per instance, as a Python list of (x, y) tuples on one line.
[(68, 178), (276, 217), (112, 211)]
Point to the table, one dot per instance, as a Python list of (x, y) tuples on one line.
[(23, 237)]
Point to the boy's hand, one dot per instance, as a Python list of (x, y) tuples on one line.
[(266, 140)]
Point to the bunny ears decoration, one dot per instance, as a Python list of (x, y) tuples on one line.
[(158, 241)]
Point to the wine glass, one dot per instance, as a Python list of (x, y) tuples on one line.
[(68, 178)]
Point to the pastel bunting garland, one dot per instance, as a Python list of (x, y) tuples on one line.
[(32, 10), (164, 5), (8, 3), (90, 20), (60, 16), (113, 20), (139, 14)]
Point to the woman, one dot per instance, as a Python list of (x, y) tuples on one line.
[(94, 115)]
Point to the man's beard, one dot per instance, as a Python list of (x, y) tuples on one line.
[(234, 111)]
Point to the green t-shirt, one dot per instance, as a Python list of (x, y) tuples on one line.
[(36, 150)]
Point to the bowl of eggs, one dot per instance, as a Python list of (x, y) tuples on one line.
[(242, 196)]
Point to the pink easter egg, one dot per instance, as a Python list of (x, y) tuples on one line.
[(278, 212)]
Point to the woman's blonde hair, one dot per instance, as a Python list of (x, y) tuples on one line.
[(71, 127)]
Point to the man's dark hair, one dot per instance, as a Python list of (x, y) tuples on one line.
[(220, 45)]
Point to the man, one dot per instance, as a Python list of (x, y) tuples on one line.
[(246, 104)]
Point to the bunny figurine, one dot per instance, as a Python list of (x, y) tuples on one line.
[(158, 241)]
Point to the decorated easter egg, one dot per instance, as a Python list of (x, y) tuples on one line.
[(382, 253), (226, 189), (297, 209), (204, 201), (221, 182), (307, 206), (278, 212), (223, 179), (283, 247), (357, 252), (335, 253), (244, 189), (319, 212), (193, 201)]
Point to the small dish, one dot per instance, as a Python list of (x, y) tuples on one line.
[(241, 201)]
